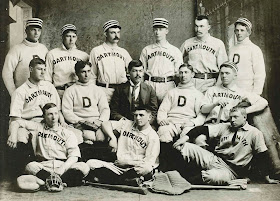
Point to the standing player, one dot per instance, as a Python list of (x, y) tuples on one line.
[(16, 67), (248, 58), (54, 146), (60, 61), (161, 60), (205, 54), (109, 61)]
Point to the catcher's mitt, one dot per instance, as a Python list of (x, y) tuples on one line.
[(170, 183), (86, 125), (54, 183), (29, 183)]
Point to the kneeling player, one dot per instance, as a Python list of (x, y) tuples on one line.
[(55, 148)]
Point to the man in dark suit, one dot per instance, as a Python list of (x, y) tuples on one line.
[(133, 93)]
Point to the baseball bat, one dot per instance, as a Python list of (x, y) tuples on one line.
[(125, 188), (215, 187)]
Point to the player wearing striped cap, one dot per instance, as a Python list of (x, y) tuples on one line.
[(161, 60), (248, 57), (205, 53), (109, 61), (60, 61), (16, 67)]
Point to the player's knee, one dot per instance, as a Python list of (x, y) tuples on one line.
[(216, 176), (89, 135), (23, 135), (201, 141), (81, 166), (164, 134), (100, 135), (33, 168)]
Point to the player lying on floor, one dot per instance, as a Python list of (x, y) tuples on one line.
[(236, 144), (55, 147), (137, 148)]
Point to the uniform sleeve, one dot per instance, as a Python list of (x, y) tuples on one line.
[(127, 61), (152, 151), (72, 145), (55, 97), (103, 107), (208, 97), (184, 53), (143, 59), (216, 130), (258, 142), (67, 107), (165, 107), (119, 125), (94, 64), (200, 118), (178, 61), (258, 103), (28, 125), (49, 67), (17, 103), (11, 62), (221, 55), (259, 70)]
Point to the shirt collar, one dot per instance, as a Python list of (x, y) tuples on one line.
[(245, 127), (132, 84), (186, 86), (196, 40), (30, 44), (232, 88), (31, 85), (156, 45), (64, 48), (245, 41), (107, 47), (58, 128), (144, 132)]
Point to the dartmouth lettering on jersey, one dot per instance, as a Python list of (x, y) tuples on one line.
[(227, 95), (110, 54), (138, 139), (200, 46), (161, 53), (51, 136), (65, 58), (38, 93)]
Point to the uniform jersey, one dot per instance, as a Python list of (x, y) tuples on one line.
[(250, 63), (16, 67), (60, 65), (85, 102), (181, 104), (49, 143), (29, 98), (109, 64), (233, 96), (204, 56), (137, 145), (237, 147), (161, 60)]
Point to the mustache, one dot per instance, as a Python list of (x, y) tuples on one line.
[(116, 38)]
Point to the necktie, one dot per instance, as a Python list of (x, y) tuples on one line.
[(133, 92), (234, 137)]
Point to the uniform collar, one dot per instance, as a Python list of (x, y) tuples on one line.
[(58, 128), (31, 85), (232, 88), (30, 44), (64, 48), (84, 84), (186, 86), (107, 47), (156, 45), (144, 132), (245, 127), (245, 41), (196, 40)]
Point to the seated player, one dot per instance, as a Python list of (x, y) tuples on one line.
[(133, 93), (86, 102), (236, 144), (220, 99), (180, 109), (137, 147), (55, 148)]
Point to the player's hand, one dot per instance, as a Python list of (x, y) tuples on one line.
[(222, 103), (97, 122), (113, 144), (180, 142), (271, 181), (12, 141), (143, 169), (164, 122)]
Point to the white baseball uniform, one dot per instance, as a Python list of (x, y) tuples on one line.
[(16, 67), (233, 96), (137, 145), (180, 106), (251, 67), (161, 61), (205, 57)]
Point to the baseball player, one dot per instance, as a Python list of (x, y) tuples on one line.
[(137, 147), (55, 148), (180, 109), (236, 145), (220, 99), (205, 54), (161, 60), (109, 61), (16, 67), (60, 61), (84, 101), (248, 58)]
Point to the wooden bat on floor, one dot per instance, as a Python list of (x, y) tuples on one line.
[(125, 188), (193, 187)]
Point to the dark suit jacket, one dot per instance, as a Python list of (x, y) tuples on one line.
[(120, 104)]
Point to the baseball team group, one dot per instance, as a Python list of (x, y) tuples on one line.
[(107, 118)]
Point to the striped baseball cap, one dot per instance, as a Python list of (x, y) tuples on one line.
[(68, 27), (230, 64), (111, 23), (34, 22), (160, 22), (244, 21)]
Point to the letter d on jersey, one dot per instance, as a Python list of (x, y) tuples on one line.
[(182, 101), (86, 102)]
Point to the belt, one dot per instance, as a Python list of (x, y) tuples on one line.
[(206, 76), (107, 85), (65, 86), (159, 79)]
